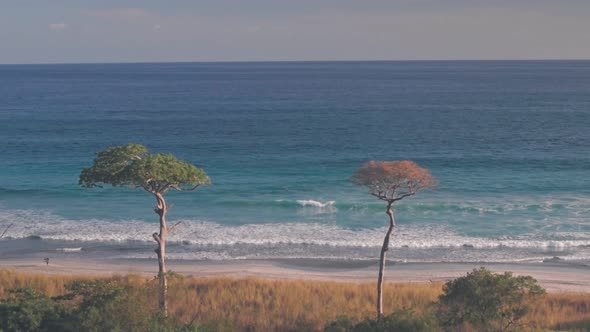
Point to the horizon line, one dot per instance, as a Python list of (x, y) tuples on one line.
[(288, 61)]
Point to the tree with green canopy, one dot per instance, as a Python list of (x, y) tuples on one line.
[(133, 166), (391, 181), (487, 301)]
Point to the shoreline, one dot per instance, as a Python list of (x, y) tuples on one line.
[(553, 276)]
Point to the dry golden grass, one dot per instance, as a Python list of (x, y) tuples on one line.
[(562, 311), (265, 305), (48, 284), (286, 305)]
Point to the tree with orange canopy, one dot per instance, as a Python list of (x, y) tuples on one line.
[(391, 181)]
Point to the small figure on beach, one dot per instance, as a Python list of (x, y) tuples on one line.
[(46, 259)]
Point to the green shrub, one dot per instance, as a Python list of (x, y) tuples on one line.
[(89, 306), (27, 310), (109, 305), (341, 324), (399, 321), (486, 301)]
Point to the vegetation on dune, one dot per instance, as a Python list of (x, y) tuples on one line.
[(404, 320), (487, 301), (87, 305), (124, 303), (133, 166)]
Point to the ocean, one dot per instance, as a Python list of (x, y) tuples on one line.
[(508, 141)]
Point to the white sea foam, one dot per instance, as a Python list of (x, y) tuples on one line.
[(204, 233), (70, 249), (310, 202)]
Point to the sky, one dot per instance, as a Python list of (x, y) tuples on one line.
[(80, 31)]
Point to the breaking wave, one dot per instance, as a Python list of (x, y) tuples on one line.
[(318, 204), (492, 206), (29, 223)]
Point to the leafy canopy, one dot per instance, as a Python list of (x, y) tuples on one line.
[(393, 180), (403, 320), (113, 304), (487, 301), (28, 310), (133, 165)]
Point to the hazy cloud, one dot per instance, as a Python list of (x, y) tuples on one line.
[(232, 30), (254, 28), (119, 13), (57, 26)]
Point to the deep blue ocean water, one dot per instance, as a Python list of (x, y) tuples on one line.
[(509, 142)]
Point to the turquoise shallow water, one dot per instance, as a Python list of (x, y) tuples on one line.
[(508, 141)]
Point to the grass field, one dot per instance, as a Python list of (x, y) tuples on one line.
[(275, 305)]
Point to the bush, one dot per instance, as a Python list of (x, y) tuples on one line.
[(486, 301), (341, 324), (109, 305), (90, 305), (399, 321), (27, 310)]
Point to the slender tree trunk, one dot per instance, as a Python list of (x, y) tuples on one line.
[(161, 209), (382, 260)]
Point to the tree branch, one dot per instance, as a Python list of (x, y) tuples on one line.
[(171, 229), (156, 237), (165, 188), (6, 230), (378, 195), (403, 196), (177, 187), (146, 188)]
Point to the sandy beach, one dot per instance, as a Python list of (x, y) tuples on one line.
[(554, 276)]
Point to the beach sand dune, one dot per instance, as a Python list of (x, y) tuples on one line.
[(554, 276)]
